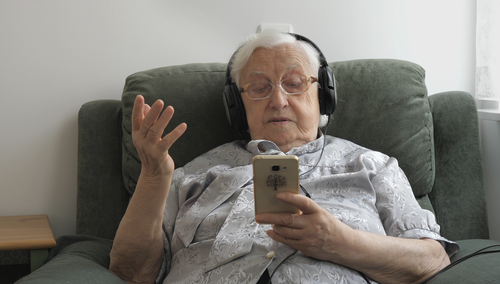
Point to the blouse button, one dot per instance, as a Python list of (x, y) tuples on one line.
[(270, 254)]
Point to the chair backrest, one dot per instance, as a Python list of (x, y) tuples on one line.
[(382, 105)]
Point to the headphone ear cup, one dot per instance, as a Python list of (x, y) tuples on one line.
[(235, 110), (326, 92)]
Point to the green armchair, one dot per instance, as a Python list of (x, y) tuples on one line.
[(382, 105)]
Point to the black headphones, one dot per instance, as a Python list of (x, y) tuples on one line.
[(235, 109)]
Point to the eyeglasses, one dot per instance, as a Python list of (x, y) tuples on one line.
[(294, 85)]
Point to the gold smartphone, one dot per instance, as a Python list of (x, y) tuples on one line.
[(273, 174)]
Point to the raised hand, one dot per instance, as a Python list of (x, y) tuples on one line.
[(147, 130), (137, 251)]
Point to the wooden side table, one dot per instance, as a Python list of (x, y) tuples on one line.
[(31, 232)]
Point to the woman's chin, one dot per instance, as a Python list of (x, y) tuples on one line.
[(284, 142)]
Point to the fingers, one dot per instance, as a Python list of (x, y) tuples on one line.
[(305, 204), (144, 116), (283, 219), (145, 109), (137, 113), (287, 232), (310, 231), (280, 238), (292, 228), (150, 123), (151, 127), (170, 138)]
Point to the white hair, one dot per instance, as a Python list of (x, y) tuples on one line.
[(269, 39)]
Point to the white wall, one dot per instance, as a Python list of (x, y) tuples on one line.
[(55, 55)]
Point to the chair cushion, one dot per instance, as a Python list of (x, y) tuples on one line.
[(382, 105)]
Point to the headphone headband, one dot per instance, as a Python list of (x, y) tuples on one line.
[(322, 58)]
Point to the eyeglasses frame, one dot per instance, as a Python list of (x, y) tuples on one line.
[(244, 89)]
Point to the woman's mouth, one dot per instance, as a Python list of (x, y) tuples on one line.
[(279, 120)]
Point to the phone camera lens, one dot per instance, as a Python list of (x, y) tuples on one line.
[(275, 168)]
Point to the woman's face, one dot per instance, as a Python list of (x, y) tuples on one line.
[(288, 121)]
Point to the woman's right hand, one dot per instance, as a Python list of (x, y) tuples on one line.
[(147, 130), (137, 252)]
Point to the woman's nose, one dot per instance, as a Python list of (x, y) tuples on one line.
[(279, 99)]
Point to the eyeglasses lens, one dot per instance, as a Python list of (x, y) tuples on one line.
[(292, 86)]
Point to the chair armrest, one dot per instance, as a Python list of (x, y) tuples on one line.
[(75, 259), (458, 194), (481, 268), (101, 198)]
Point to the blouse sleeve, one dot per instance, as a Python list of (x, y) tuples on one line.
[(400, 212)]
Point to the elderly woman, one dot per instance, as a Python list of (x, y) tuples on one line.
[(197, 224)]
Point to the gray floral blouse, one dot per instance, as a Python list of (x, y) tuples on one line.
[(211, 236)]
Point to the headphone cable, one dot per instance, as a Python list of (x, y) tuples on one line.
[(317, 162), (478, 252)]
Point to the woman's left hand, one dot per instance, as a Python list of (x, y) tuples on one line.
[(315, 231)]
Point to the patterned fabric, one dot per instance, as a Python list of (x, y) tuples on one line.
[(211, 235), (14, 257)]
